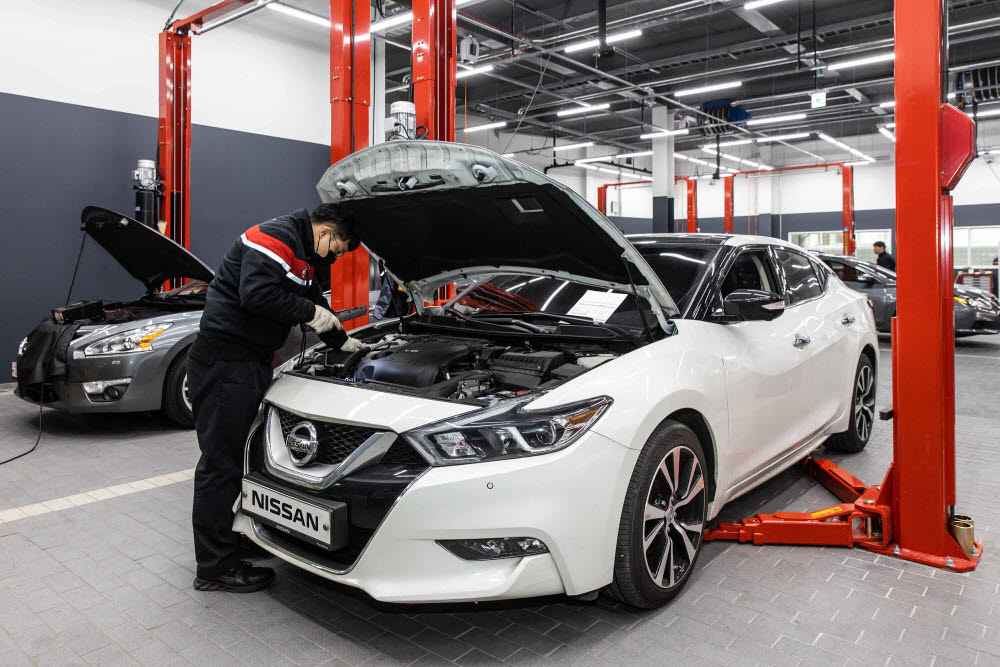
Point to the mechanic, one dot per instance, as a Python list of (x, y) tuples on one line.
[(263, 287), (884, 259)]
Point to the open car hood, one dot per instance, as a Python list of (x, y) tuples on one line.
[(149, 256), (436, 211)]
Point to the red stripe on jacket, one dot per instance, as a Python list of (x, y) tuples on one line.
[(298, 267)]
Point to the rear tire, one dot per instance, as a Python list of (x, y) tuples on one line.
[(862, 421), (176, 400), (663, 518)]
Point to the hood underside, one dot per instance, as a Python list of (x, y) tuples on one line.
[(433, 209), (149, 256)]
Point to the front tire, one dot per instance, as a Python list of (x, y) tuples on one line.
[(862, 420), (663, 518), (176, 398)]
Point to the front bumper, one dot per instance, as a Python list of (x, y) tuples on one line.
[(976, 322), (145, 389), (570, 500)]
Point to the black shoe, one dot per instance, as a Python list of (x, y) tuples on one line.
[(244, 578)]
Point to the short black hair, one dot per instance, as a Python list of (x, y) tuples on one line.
[(342, 224), (879, 244)]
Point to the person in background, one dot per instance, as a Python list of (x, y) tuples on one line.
[(884, 259)]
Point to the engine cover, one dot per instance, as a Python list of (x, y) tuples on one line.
[(419, 363)]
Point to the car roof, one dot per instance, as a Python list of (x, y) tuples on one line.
[(733, 240)]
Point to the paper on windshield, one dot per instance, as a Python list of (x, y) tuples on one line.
[(597, 305)]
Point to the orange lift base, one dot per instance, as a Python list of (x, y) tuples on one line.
[(863, 519)]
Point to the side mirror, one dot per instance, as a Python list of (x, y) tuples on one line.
[(754, 304)]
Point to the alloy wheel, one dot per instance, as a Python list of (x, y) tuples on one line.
[(674, 517), (185, 393), (864, 403)]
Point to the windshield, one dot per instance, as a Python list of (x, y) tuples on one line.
[(681, 268), (194, 288), (519, 294)]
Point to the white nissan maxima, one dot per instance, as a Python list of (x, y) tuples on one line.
[(572, 419)]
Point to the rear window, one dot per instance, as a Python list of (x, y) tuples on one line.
[(681, 269)]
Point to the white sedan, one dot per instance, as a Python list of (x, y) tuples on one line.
[(568, 423)]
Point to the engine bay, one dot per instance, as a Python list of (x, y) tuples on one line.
[(454, 367)]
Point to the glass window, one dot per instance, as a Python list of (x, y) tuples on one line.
[(801, 282), (866, 240), (832, 242), (975, 246), (853, 276), (680, 269)]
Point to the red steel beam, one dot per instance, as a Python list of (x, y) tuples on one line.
[(727, 183), (174, 135), (434, 67), (350, 78), (602, 193), (847, 173), (692, 205), (216, 11)]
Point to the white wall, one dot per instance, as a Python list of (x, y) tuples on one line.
[(104, 53)]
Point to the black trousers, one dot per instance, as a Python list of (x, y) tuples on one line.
[(225, 396)]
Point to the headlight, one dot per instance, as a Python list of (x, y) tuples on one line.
[(981, 304), (964, 302), (133, 340), (22, 347), (506, 431)]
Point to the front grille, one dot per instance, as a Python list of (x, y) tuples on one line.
[(336, 440), (402, 453)]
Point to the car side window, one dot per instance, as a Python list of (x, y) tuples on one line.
[(801, 281), (850, 275), (822, 271), (751, 270)]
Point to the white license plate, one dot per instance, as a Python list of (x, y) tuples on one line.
[(288, 514)]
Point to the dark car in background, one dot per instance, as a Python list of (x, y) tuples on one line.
[(977, 312), (103, 356)]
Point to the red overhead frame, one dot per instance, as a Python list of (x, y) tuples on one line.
[(911, 514), (434, 67), (350, 80), (847, 194), (692, 199)]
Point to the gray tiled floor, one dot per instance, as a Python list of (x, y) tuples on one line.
[(110, 582)]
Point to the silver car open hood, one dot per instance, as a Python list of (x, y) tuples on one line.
[(436, 211)]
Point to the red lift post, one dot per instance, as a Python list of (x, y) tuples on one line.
[(909, 515), (349, 74), (692, 199), (847, 197)]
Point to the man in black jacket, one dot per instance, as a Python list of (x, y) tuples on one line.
[(882, 258), (264, 286)]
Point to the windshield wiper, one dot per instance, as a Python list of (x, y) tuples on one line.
[(575, 319)]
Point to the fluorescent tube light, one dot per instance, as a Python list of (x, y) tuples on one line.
[(401, 19), (707, 89), (508, 155), (611, 39), (992, 111), (397, 89), (462, 73), (679, 156), (664, 133), (570, 147), (726, 144), (754, 4), (887, 105), (487, 126), (610, 171), (867, 60), (887, 133), (622, 156), (587, 160), (768, 120), (586, 166), (890, 125), (576, 111), (843, 146), (300, 14), (784, 137)]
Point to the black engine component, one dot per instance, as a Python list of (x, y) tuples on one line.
[(525, 369), (81, 310), (420, 363)]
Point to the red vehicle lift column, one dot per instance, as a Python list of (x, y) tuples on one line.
[(847, 172), (692, 205), (174, 135), (350, 72), (434, 69), (912, 514), (727, 183)]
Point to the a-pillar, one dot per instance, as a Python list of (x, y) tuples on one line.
[(663, 172)]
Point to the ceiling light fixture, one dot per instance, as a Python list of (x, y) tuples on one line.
[(664, 133), (754, 4), (623, 156), (842, 145), (487, 126), (867, 60), (769, 120), (300, 14), (708, 89), (887, 105), (890, 125), (857, 163), (784, 137), (570, 147), (400, 19), (576, 111), (587, 160), (462, 73), (611, 39), (887, 133)]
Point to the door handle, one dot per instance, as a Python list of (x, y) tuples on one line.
[(801, 341), (847, 319)]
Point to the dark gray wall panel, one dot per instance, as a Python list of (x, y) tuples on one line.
[(632, 225), (58, 158)]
